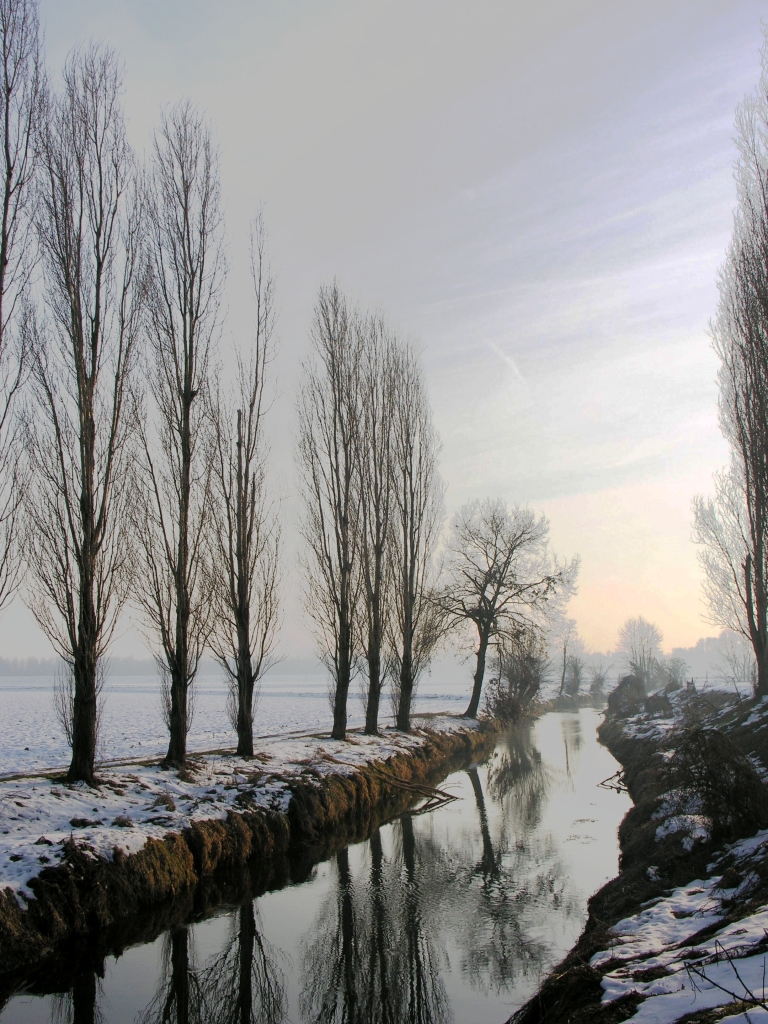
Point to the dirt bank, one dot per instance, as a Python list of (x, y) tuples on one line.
[(324, 804)]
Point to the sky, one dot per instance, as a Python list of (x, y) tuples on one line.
[(538, 195)]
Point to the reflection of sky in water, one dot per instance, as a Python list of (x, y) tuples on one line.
[(453, 915)]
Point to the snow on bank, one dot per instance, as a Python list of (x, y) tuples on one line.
[(661, 954), (702, 945), (137, 801)]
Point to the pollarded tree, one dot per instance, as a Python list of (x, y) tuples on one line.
[(417, 519), (733, 527), (500, 577), (78, 440), (246, 532), (329, 414), (186, 266)]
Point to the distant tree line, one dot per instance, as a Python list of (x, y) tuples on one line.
[(132, 472)]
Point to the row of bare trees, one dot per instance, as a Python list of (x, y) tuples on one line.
[(130, 473), (373, 506), (373, 515), (127, 470)]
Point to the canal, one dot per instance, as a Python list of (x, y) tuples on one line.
[(452, 915)]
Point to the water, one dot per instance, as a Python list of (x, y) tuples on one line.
[(455, 915)]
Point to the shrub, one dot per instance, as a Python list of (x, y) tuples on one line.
[(522, 668), (708, 765), (628, 698)]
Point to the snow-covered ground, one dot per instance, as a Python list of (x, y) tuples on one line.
[(31, 738), (135, 802), (677, 976), (702, 945)]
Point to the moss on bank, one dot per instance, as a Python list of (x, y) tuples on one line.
[(87, 901)]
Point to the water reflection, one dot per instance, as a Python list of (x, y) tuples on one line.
[(368, 957), (479, 898), (178, 999), (80, 1004), (572, 740), (518, 777), (244, 984)]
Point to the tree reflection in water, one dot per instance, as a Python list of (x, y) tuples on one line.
[(178, 999), (482, 885), (504, 903), (244, 984), (519, 779), (572, 741), (240, 985), (80, 1004), (378, 947), (368, 958)]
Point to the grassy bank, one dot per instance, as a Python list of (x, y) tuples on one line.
[(184, 840), (678, 934)]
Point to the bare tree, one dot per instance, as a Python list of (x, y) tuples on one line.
[(187, 266), (733, 528), (598, 677), (77, 441), (246, 543), (640, 643), (574, 674), (565, 638), (328, 413), (374, 452), (500, 576), (723, 528), (21, 80), (417, 522)]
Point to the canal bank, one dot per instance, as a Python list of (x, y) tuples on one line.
[(76, 861), (681, 933)]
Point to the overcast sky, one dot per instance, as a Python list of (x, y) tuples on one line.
[(539, 194)]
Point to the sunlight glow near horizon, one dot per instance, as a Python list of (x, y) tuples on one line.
[(540, 197)]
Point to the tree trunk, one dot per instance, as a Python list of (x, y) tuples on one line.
[(245, 680), (374, 691), (178, 725), (339, 731), (245, 687), (84, 719), (85, 648), (406, 664), (406, 692), (477, 686)]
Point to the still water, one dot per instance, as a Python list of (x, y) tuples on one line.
[(450, 916)]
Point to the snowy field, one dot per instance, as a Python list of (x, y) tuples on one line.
[(31, 738)]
